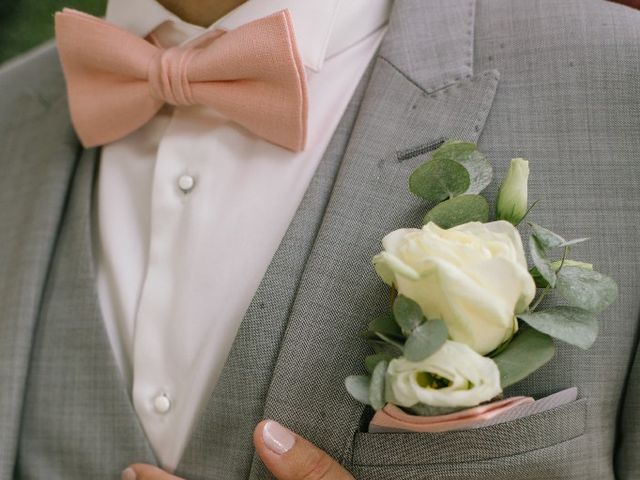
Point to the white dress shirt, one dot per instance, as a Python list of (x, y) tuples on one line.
[(191, 208)]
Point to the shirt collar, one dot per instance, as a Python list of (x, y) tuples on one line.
[(323, 28)]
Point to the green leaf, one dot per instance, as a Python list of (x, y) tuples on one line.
[(466, 154), (386, 325), (542, 283), (586, 289), (453, 150), (380, 346), (541, 262), (546, 238), (437, 180), (528, 351), (376, 387), (408, 314), (358, 387), (459, 210), (372, 360), (549, 240), (480, 171), (425, 340), (569, 324)]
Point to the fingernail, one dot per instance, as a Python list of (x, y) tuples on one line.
[(277, 438), (129, 474)]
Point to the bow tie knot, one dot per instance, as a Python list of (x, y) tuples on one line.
[(168, 76)]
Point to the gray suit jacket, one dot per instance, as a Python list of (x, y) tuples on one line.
[(556, 82)]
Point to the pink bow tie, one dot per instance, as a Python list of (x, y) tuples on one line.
[(117, 82)]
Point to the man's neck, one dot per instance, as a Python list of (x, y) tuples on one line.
[(200, 12)]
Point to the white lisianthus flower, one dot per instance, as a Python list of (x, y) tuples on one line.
[(474, 277), (454, 376), (512, 202)]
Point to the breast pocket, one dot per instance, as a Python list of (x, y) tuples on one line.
[(546, 445)]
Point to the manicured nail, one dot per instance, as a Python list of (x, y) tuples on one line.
[(277, 438), (129, 474)]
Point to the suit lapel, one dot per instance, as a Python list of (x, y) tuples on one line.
[(38, 154), (422, 89)]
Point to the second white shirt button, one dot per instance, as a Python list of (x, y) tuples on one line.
[(162, 404), (186, 183)]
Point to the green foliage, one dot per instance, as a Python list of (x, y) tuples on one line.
[(386, 325), (371, 361), (425, 340), (454, 150), (459, 210), (528, 351), (541, 262), (480, 171), (376, 386), (358, 387), (438, 180), (408, 314), (570, 324), (549, 240), (586, 289), (456, 168), (25, 24)]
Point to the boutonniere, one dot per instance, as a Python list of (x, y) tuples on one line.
[(466, 318)]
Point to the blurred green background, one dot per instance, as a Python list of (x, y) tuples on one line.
[(27, 23)]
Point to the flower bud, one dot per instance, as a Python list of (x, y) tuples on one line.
[(512, 204)]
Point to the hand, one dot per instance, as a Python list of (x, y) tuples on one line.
[(285, 454), (290, 457)]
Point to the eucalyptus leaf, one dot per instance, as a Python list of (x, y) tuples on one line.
[(358, 387), (528, 351), (569, 324), (549, 239), (437, 180), (480, 171), (586, 289), (575, 241), (425, 340), (390, 341), (380, 346), (386, 325), (541, 262), (376, 387), (371, 361), (459, 210), (546, 238), (542, 283), (408, 314), (454, 150)]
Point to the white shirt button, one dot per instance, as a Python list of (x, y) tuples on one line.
[(186, 183), (162, 404)]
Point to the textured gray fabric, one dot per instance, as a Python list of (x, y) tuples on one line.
[(75, 396), (37, 157), (568, 98)]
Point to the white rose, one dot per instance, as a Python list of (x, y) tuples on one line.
[(454, 376), (474, 277)]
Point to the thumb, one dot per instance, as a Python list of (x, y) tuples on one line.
[(290, 457), (142, 471)]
